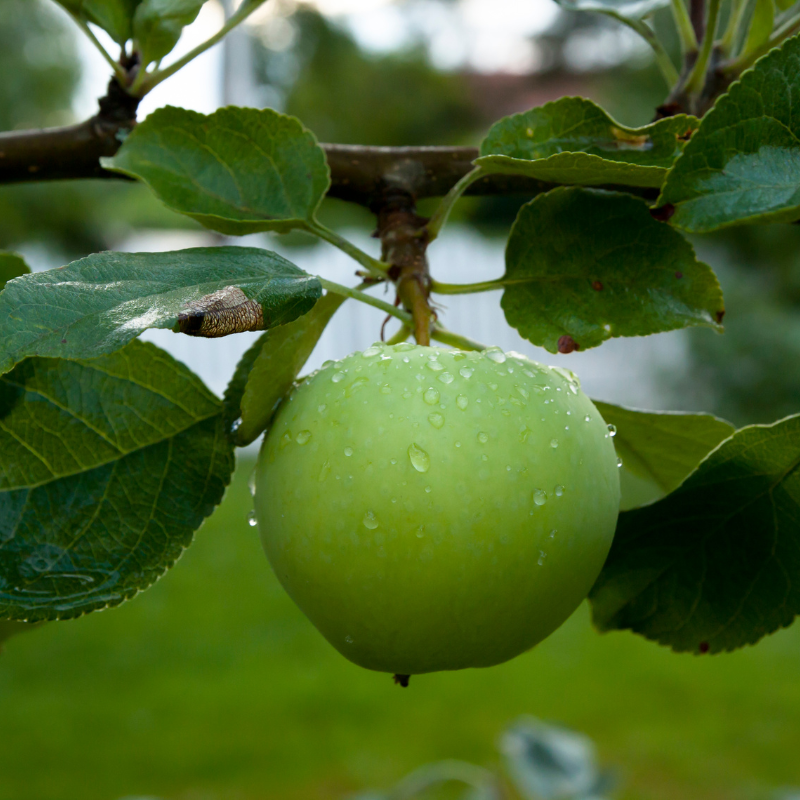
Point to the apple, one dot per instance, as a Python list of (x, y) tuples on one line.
[(433, 509)]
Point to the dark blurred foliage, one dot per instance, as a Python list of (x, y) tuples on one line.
[(41, 71), (348, 96)]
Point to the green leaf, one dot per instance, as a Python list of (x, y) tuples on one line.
[(761, 24), (627, 9), (584, 265), (9, 628), (659, 449), (716, 564), (783, 5), (234, 391), (99, 303), (107, 466), (157, 26), (573, 141), (238, 170), (113, 16), (11, 266), (743, 165), (282, 355)]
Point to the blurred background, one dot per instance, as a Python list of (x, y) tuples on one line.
[(212, 685)]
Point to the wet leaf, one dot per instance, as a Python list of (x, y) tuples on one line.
[(743, 165), (107, 466), (282, 353), (715, 565), (574, 141), (659, 449), (11, 266), (583, 266), (99, 303), (157, 26), (238, 170)]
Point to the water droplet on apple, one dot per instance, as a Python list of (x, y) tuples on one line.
[(612, 430), (386, 389), (431, 396), (358, 383), (540, 497), (524, 434), (348, 639), (542, 557), (403, 347), (553, 533), (437, 420), (337, 377), (483, 437), (427, 489), (251, 519), (435, 366), (446, 377), (495, 354), (619, 462), (371, 351), (462, 402), (466, 372), (369, 521), (348, 451), (420, 460), (323, 473), (587, 418), (559, 490), (523, 392), (554, 443), (322, 408)]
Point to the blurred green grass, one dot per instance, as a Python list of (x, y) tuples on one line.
[(212, 686)]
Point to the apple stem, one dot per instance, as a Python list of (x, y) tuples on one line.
[(402, 680), (404, 240)]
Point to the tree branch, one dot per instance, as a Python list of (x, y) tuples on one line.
[(363, 175)]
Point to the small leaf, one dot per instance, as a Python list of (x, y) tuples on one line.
[(113, 16), (761, 24), (157, 26), (238, 170), (282, 355), (716, 564), (583, 266), (11, 266), (627, 9), (107, 466), (99, 303), (743, 165), (573, 141), (659, 449)]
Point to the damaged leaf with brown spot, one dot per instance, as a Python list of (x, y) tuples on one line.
[(98, 304)]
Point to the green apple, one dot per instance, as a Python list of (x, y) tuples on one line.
[(433, 509)]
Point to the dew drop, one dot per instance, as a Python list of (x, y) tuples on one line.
[(587, 418), (322, 408), (559, 490), (393, 461), (420, 531), (358, 383), (466, 372), (540, 497), (324, 472), (573, 388), (371, 351), (458, 444), (542, 557), (435, 366), (612, 430), (462, 402), (420, 460), (431, 396), (619, 462), (493, 387), (495, 354), (427, 489), (337, 377), (446, 377), (286, 440), (348, 451), (369, 520), (403, 347), (554, 443), (303, 437), (459, 356), (348, 639), (484, 457), (251, 484), (483, 437), (406, 359), (523, 392), (251, 519), (386, 389), (524, 434), (553, 533), (437, 420)]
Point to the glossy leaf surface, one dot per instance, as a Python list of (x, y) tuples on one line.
[(591, 265), (107, 466), (157, 26), (113, 16), (743, 165), (238, 170), (716, 564), (659, 449), (574, 141), (99, 303)]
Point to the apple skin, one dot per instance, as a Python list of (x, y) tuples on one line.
[(432, 509)]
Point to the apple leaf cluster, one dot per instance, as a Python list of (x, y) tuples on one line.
[(113, 453)]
